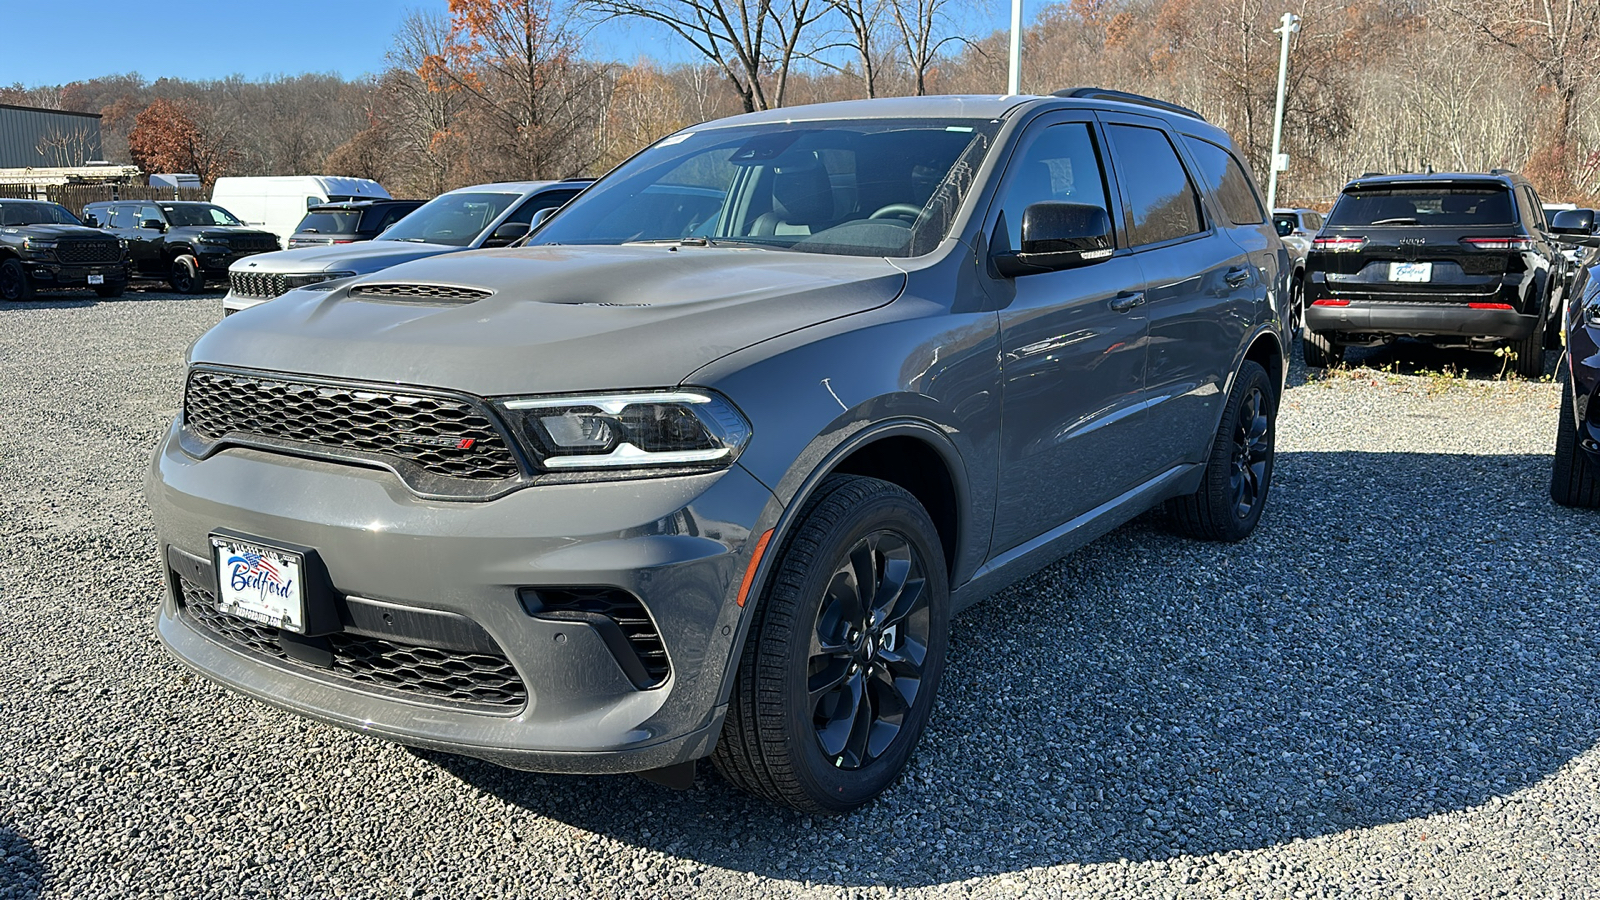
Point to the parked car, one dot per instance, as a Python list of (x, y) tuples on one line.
[(277, 203), (349, 223), (1453, 259), (43, 245), (1575, 472), (705, 468), (1572, 252), (181, 242), (485, 215), (1297, 227)]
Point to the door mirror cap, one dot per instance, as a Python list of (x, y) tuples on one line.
[(540, 217), (1573, 221), (505, 234), (1058, 236), (157, 224)]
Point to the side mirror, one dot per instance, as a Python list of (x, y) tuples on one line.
[(1573, 221), (90, 220), (157, 224), (1058, 236), (505, 234), (540, 216), (1284, 228)]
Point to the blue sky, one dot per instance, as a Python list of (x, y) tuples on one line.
[(259, 40)]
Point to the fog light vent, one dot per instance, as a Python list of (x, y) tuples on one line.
[(620, 619)]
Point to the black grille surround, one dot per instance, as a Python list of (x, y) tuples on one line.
[(252, 243), (437, 676), (440, 445), (441, 292), (88, 251), (263, 285)]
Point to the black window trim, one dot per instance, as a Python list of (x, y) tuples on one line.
[(1025, 134), (1208, 229)]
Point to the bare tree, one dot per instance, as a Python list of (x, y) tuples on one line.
[(923, 27)]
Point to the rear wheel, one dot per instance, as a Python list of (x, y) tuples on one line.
[(14, 284), (185, 276), (1574, 479), (1319, 350), (1239, 471), (1530, 354), (838, 677)]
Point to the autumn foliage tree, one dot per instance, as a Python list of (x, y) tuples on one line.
[(169, 137)]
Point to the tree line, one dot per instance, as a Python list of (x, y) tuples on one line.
[(495, 90)]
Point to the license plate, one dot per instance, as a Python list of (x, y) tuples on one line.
[(97, 279), (1411, 271), (260, 583)]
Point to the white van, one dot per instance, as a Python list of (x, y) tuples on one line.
[(277, 203)]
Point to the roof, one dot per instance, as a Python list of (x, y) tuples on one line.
[(1435, 178), (53, 112), (361, 204), (520, 187)]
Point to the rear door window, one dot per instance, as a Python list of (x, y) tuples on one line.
[(1422, 205), (1161, 200)]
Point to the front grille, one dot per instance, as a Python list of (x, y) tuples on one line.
[(442, 676), (617, 606), (252, 243), (257, 284), (420, 292), (88, 251), (442, 436)]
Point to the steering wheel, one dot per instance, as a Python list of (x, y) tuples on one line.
[(898, 211)]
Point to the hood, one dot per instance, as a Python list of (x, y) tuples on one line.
[(367, 256), (559, 319), (57, 231), (219, 231)]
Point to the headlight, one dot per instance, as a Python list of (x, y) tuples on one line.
[(309, 278), (39, 248), (667, 429)]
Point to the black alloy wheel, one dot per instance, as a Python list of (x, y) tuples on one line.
[(14, 283), (845, 652), (1574, 478), (185, 276), (1238, 473)]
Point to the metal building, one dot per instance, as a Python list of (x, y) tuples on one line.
[(47, 138)]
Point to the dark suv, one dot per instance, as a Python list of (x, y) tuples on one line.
[(42, 245), (182, 242), (1453, 259), (706, 467), (1575, 475), (349, 222)]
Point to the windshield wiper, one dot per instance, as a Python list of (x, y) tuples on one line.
[(1404, 220)]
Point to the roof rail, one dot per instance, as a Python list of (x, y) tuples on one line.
[(1094, 93), (577, 178), (1501, 172), (1372, 174)]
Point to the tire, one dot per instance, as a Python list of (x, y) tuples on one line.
[(1574, 478), (1530, 355), (1238, 472), (818, 719), (1297, 304), (185, 276), (14, 284), (1319, 350), (111, 288)]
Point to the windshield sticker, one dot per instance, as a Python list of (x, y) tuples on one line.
[(678, 138)]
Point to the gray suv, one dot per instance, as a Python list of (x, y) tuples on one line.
[(706, 468)]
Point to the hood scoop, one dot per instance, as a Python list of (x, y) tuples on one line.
[(424, 293)]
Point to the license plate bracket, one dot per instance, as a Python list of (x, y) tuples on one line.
[(1411, 272), (260, 582)]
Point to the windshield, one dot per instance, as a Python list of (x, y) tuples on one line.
[(454, 219), (24, 213), (1424, 204), (191, 214), (888, 187), (332, 222)]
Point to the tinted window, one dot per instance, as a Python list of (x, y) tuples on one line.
[(149, 214), (376, 220), (198, 214), (14, 212), (1060, 164), (1423, 204), (331, 222), (1162, 203), (1225, 179), (454, 219), (547, 200), (122, 216)]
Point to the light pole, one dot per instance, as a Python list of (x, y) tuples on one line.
[(1014, 83), (1291, 24)]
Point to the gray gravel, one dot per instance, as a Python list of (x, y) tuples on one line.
[(1390, 691)]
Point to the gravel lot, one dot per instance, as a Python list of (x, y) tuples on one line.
[(1390, 691)]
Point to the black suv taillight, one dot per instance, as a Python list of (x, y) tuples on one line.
[(1510, 242)]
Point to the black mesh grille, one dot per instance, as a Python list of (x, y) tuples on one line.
[(257, 284), (87, 251), (622, 608), (448, 677), (252, 243), (442, 436), (420, 292)]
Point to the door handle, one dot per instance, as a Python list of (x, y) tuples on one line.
[(1237, 275), (1125, 302)]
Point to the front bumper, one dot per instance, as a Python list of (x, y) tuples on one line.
[(232, 303), (52, 274), (679, 545)]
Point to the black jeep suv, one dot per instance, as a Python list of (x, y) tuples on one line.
[(1453, 259), (183, 242), (42, 245)]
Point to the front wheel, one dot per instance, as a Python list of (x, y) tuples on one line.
[(838, 676), (14, 284), (185, 276), (1238, 472), (1574, 479)]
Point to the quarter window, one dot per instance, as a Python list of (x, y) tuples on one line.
[(1226, 180), (1162, 203), (1061, 165)]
